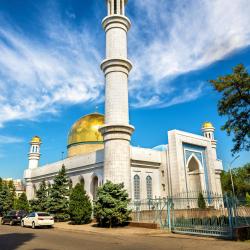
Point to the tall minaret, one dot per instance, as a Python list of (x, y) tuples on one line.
[(116, 67), (34, 154)]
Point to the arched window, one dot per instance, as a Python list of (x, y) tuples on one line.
[(82, 182), (149, 187), (137, 187)]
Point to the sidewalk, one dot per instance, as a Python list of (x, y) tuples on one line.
[(92, 228), (124, 231)]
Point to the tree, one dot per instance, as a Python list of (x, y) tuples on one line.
[(80, 208), (241, 180), (235, 104), (58, 203), (111, 207), (12, 190), (248, 199), (201, 201), (42, 197), (22, 203), (6, 199), (34, 205)]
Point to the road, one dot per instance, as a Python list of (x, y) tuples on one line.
[(17, 238)]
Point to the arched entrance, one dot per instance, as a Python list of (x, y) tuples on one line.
[(82, 182), (194, 175), (94, 186)]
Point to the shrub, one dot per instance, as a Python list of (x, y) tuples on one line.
[(201, 201), (111, 207), (80, 208)]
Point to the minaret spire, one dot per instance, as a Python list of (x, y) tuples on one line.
[(34, 154), (116, 67)]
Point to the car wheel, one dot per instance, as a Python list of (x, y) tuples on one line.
[(33, 225), (11, 223), (22, 224)]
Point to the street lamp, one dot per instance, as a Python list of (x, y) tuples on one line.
[(230, 164)]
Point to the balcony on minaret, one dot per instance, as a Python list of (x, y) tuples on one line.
[(116, 7)]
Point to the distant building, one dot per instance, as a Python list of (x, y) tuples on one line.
[(19, 185)]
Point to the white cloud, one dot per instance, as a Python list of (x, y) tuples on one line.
[(168, 39), (181, 36), (37, 77), (9, 139)]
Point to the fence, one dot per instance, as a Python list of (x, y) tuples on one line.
[(193, 213)]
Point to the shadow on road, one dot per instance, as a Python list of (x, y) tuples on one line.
[(12, 241)]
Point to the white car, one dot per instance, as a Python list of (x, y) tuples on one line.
[(37, 219)]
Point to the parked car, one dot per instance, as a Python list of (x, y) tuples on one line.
[(37, 219), (13, 217)]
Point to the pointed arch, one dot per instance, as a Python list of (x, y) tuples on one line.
[(194, 174)]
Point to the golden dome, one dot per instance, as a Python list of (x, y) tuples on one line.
[(36, 139), (207, 125), (84, 136)]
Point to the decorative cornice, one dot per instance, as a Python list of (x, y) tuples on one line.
[(116, 21), (114, 64)]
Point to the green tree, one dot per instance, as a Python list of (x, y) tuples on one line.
[(248, 199), (241, 180), (12, 191), (201, 201), (111, 206), (58, 203), (34, 205), (80, 208), (235, 104), (6, 199), (42, 197), (22, 203)]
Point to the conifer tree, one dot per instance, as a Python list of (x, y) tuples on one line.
[(247, 199), (12, 190), (22, 203), (80, 208), (201, 201), (42, 197), (111, 207), (58, 203), (6, 199), (34, 205)]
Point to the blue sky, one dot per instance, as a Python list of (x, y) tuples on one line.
[(50, 52)]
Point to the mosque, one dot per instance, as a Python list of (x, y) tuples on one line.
[(99, 146)]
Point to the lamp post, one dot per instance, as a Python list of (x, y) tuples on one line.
[(230, 164)]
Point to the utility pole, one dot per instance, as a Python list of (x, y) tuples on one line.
[(230, 171)]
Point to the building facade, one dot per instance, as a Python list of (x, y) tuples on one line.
[(99, 146)]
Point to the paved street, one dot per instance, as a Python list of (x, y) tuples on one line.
[(12, 238)]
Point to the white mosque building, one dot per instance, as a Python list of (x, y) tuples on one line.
[(99, 146)]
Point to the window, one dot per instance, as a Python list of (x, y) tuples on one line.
[(162, 173), (149, 187), (163, 187), (136, 187), (115, 6)]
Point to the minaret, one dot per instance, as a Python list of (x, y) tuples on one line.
[(208, 132), (34, 154), (116, 67)]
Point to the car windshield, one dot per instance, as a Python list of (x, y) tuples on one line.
[(43, 214)]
